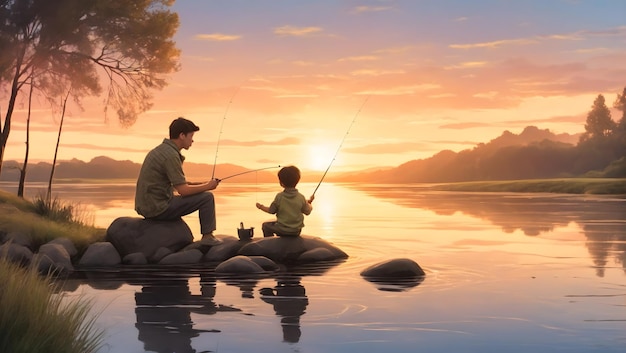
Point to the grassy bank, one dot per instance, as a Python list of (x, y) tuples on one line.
[(33, 319), (596, 186), (43, 221)]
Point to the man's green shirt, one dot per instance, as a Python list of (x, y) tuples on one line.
[(161, 170)]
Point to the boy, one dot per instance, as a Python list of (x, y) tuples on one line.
[(290, 206)]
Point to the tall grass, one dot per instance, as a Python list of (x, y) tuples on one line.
[(33, 319), (34, 219)]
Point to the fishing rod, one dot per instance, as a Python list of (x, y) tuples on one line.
[(219, 137), (247, 171), (338, 148)]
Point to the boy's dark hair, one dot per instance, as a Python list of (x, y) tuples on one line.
[(289, 176), (182, 125)]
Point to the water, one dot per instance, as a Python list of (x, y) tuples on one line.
[(505, 272)]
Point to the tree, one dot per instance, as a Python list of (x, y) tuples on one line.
[(127, 44), (620, 104), (599, 123)]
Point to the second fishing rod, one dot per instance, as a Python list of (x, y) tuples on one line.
[(340, 144), (219, 138)]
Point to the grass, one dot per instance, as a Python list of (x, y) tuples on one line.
[(33, 319), (596, 186), (44, 221)]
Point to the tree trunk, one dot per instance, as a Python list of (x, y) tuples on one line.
[(56, 150), (20, 188)]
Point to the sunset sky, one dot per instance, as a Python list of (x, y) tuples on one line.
[(286, 80)]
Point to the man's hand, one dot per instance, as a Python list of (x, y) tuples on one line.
[(213, 183), (310, 200)]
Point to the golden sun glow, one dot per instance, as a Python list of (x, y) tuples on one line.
[(320, 156)]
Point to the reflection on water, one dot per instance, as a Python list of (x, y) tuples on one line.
[(289, 300), (504, 272), (602, 219)]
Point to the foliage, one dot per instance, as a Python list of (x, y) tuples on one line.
[(73, 44), (18, 215), (599, 123), (33, 319)]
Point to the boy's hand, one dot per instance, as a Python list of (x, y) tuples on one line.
[(259, 206), (310, 200)]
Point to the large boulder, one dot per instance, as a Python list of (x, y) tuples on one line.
[(16, 253), (133, 234), (395, 275), (289, 249), (100, 254), (396, 268), (52, 258), (239, 265)]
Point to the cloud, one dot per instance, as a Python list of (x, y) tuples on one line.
[(573, 36), (255, 143), (463, 126), (360, 58), (296, 31), (363, 9), (495, 44), (402, 90), (86, 146), (372, 72), (217, 37), (385, 148)]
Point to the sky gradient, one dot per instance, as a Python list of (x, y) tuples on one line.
[(285, 80)]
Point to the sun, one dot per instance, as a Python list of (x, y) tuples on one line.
[(320, 156)]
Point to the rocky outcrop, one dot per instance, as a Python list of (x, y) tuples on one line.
[(132, 234), (136, 241)]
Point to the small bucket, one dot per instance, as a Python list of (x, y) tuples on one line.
[(245, 233)]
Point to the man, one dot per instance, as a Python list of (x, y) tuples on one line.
[(162, 173)]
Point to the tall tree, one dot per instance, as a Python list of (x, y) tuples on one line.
[(599, 123), (620, 104), (125, 44)]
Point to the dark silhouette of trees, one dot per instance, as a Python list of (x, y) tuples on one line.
[(599, 123), (79, 44)]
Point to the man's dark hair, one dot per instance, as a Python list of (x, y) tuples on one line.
[(182, 125), (289, 176)]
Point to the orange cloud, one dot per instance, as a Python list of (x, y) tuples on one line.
[(296, 31), (218, 37)]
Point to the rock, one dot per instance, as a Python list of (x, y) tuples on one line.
[(289, 249), (136, 258), (317, 254), (228, 248), (133, 234), (159, 255), (16, 253), (182, 257), (265, 263), (100, 254), (52, 258), (67, 244), (18, 238), (239, 265), (397, 268)]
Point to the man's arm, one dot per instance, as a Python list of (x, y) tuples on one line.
[(192, 188)]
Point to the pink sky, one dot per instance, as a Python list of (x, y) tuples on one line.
[(286, 79)]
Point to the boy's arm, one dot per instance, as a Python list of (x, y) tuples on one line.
[(262, 207)]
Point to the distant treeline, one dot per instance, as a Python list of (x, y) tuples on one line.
[(534, 154)]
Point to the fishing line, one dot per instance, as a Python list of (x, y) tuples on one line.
[(341, 144), (219, 137), (248, 171)]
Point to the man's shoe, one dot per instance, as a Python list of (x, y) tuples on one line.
[(209, 239)]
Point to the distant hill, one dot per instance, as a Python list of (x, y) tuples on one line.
[(509, 156), (495, 160)]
